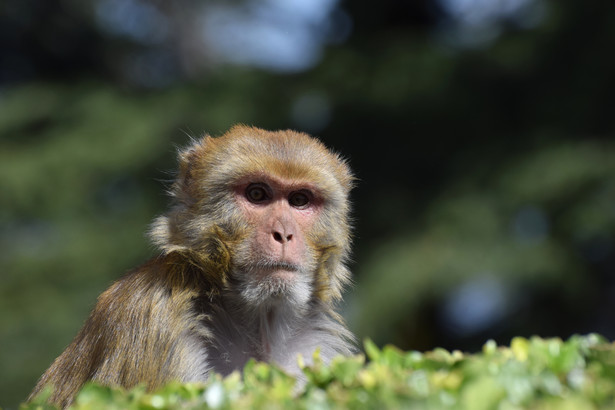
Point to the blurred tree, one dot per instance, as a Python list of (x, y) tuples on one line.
[(482, 139)]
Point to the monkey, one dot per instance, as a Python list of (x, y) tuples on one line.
[(251, 262)]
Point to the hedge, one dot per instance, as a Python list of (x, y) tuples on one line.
[(535, 373)]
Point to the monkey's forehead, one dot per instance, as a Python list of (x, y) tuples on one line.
[(288, 155)]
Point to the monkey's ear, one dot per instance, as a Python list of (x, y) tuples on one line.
[(188, 160), (191, 170), (166, 231)]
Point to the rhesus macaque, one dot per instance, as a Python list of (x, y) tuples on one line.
[(252, 261)]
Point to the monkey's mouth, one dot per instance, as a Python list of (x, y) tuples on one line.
[(276, 269), (276, 266)]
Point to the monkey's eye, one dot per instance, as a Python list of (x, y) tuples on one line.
[(256, 193), (299, 199)]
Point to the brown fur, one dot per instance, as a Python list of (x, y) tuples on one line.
[(144, 328)]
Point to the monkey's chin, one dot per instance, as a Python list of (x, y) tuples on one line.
[(283, 275), (278, 285)]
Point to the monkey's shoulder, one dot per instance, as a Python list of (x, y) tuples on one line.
[(151, 289), (146, 314)]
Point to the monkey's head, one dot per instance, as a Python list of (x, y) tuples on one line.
[(263, 213)]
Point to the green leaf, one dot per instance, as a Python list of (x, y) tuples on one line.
[(530, 373)]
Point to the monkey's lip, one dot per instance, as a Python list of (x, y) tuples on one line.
[(283, 270)]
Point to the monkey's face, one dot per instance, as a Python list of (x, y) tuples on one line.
[(276, 262), (267, 210)]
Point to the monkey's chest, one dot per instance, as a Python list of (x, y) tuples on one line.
[(230, 356), (232, 348)]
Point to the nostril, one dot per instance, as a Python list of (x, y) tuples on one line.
[(277, 236), (289, 238)]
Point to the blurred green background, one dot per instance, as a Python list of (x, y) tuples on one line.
[(481, 133)]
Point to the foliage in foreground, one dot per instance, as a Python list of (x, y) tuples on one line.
[(531, 373)]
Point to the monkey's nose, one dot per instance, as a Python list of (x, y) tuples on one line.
[(281, 238)]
